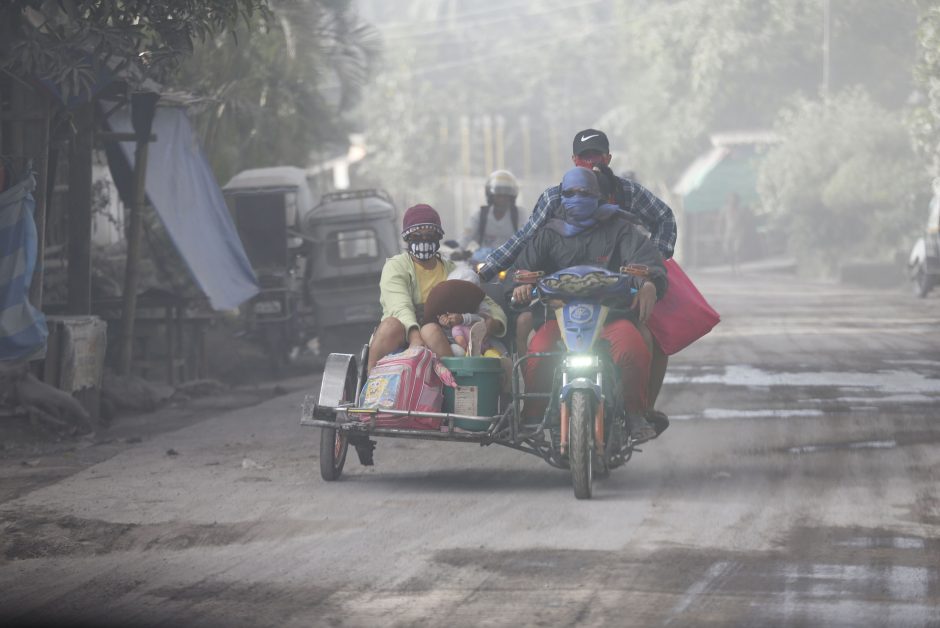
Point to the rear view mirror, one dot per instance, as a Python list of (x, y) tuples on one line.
[(527, 276)]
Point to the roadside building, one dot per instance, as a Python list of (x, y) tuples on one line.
[(721, 213)]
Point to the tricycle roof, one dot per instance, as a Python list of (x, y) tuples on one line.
[(274, 177), (353, 205)]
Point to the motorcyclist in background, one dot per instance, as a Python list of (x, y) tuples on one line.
[(497, 221)]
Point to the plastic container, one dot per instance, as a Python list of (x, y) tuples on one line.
[(477, 392)]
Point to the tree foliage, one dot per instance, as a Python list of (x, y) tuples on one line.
[(658, 76), (70, 42), (925, 120), (282, 93), (844, 181), (271, 77), (695, 67)]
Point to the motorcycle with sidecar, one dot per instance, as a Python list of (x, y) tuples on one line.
[(583, 428)]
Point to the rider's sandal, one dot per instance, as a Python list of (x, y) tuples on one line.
[(642, 432), (658, 420)]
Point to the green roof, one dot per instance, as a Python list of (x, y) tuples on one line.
[(735, 173)]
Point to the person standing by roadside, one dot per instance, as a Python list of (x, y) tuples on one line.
[(735, 221)]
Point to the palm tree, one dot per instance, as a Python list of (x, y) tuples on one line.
[(285, 89)]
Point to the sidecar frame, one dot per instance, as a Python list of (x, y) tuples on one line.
[(503, 429)]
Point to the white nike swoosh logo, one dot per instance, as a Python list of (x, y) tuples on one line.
[(587, 137)]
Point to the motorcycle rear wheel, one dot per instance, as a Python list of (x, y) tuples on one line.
[(581, 444)]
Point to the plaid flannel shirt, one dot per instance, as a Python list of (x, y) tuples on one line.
[(650, 211)]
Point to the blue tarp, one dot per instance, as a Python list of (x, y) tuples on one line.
[(184, 192), (22, 327)]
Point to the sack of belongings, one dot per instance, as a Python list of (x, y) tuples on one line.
[(683, 315)]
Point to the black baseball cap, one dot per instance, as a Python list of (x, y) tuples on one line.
[(590, 139)]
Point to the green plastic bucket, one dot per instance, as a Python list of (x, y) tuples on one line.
[(477, 392)]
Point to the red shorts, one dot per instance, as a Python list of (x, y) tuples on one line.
[(628, 351)]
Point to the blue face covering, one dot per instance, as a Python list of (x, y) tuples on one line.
[(579, 209), (580, 216), (581, 212)]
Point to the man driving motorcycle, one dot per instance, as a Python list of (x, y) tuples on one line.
[(595, 234), (591, 149)]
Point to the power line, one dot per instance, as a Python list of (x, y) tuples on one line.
[(460, 16), (477, 24), (541, 42)]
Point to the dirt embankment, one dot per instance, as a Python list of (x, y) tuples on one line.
[(33, 456)]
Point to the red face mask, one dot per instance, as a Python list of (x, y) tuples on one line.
[(588, 161)]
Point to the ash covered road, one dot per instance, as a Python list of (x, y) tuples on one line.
[(798, 485)]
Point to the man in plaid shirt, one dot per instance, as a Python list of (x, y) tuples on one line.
[(591, 149)]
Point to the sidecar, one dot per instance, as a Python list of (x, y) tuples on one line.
[(582, 427)]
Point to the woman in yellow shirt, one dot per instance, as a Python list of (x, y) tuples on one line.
[(407, 279)]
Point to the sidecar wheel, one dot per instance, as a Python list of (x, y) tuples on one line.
[(338, 387), (581, 444), (333, 449)]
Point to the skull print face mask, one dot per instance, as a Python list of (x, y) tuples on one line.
[(424, 249)]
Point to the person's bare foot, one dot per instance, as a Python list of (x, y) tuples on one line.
[(477, 334)]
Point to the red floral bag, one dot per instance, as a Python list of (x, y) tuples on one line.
[(683, 315)]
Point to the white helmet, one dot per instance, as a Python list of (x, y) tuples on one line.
[(501, 182)]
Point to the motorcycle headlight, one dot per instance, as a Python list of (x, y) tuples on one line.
[(576, 362)]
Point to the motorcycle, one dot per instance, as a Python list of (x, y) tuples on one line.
[(584, 426)]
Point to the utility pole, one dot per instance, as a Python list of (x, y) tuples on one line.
[(500, 142), (143, 108), (465, 146), (487, 145), (827, 40), (79, 247), (526, 147)]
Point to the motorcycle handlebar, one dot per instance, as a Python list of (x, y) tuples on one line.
[(516, 305)]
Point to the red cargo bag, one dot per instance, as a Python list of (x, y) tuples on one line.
[(683, 315), (410, 380)]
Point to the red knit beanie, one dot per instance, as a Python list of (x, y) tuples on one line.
[(419, 217)]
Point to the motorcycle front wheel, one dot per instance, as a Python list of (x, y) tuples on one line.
[(581, 443)]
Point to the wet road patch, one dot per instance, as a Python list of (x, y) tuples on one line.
[(870, 444), (860, 577), (759, 393)]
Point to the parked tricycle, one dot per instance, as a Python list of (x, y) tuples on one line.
[(267, 205), (583, 428), (351, 234)]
